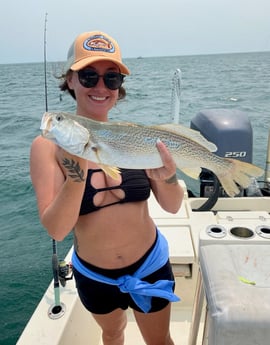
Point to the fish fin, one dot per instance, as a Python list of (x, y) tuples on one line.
[(113, 172), (192, 172), (239, 173), (188, 133)]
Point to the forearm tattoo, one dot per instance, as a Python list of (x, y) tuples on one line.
[(74, 169), (172, 180)]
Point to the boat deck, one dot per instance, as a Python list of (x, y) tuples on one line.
[(180, 326), (185, 232)]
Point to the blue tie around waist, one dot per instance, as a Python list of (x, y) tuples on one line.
[(140, 291)]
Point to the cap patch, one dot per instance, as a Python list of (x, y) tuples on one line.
[(99, 43)]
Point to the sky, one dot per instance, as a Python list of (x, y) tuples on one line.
[(142, 27)]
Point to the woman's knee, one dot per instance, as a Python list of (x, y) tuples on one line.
[(113, 326)]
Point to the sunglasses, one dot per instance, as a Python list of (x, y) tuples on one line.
[(89, 78)]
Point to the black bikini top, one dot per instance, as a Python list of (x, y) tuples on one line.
[(135, 185)]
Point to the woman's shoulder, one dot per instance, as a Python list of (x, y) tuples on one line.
[(42, 147), (40, 140), (44, 160)]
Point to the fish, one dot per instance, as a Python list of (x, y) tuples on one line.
[(114, 145)]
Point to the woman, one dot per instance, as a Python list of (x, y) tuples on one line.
[(116, 243)]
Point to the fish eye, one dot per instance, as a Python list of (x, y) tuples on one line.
[(59, 117)]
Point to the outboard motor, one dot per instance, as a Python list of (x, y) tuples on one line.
[(230, 130)]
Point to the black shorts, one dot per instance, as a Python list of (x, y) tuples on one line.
[(101, 298)]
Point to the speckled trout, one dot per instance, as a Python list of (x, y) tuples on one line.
[(115, 145)]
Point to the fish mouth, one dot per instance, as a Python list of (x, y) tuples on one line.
[(46, 125)]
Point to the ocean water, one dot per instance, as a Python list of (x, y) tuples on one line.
[(231, 81)]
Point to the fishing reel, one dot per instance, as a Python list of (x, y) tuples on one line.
[(65, 272)]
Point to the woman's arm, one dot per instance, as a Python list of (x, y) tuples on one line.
[(164, 182), (59, 188)]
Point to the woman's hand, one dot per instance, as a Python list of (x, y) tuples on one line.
[(167, 172), (164, 182)]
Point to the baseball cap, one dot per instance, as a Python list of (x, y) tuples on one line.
[(93, 46)]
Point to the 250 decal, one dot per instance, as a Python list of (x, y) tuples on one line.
[(236, 154)]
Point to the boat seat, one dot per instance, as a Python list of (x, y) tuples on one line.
[(236, 281)]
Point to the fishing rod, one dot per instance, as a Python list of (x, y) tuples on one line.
[(60, 269), (175, 117), (55, 266), (45, 62), (54, 245), (175, 96), (266, 188)]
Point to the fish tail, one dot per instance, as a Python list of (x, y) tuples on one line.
[(238, 173)]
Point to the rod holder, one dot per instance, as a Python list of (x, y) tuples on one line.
[(56, 311)]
